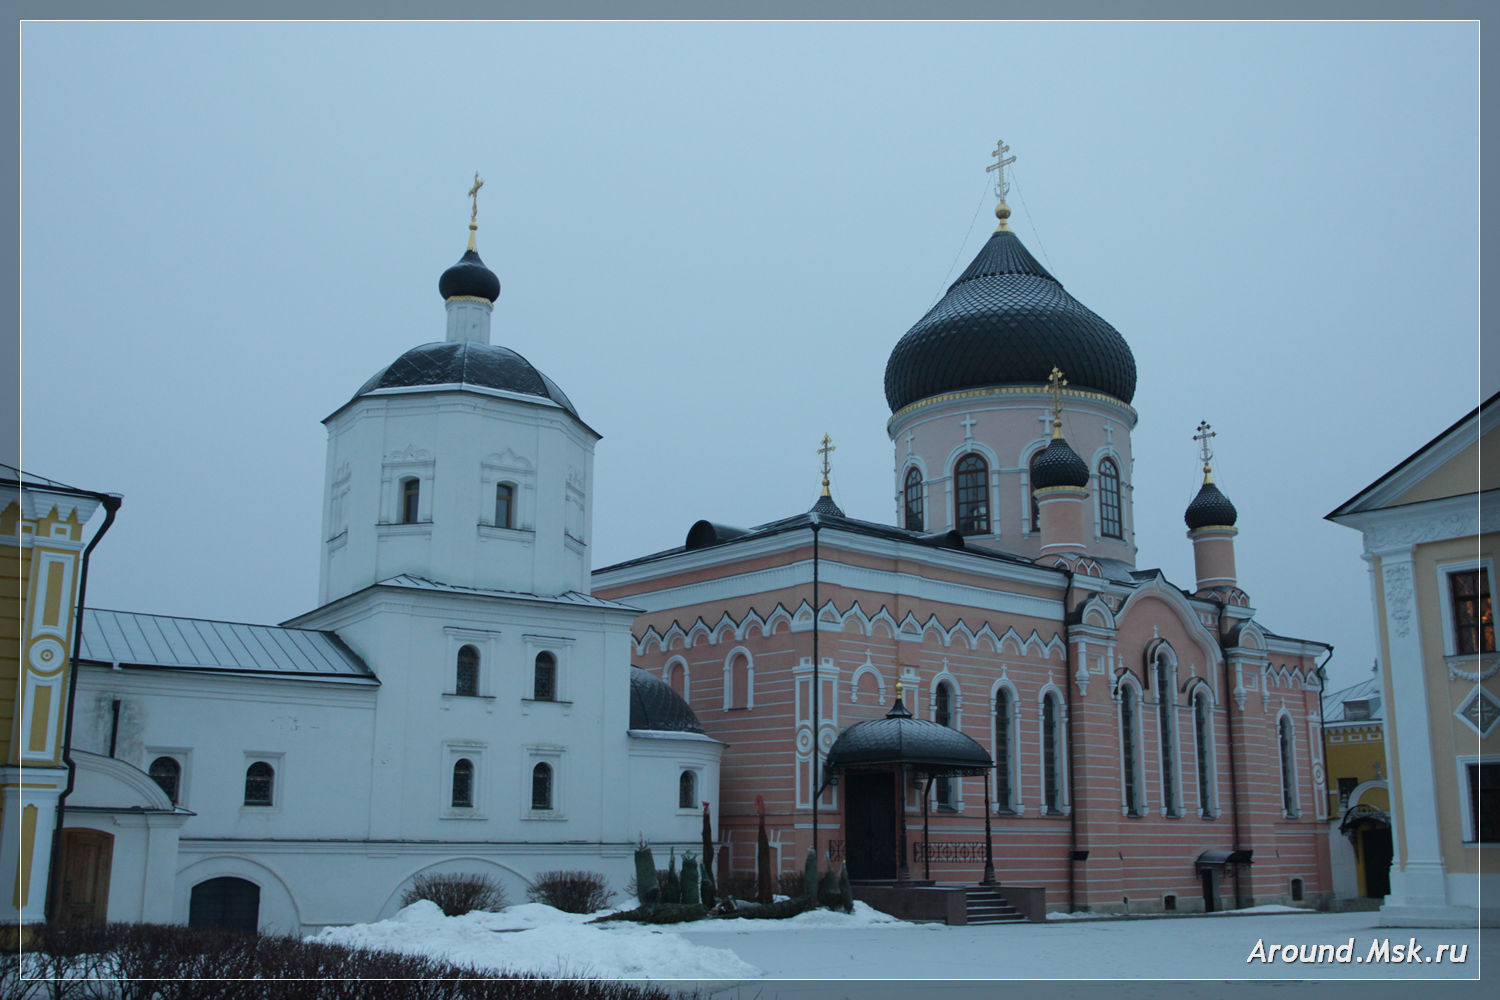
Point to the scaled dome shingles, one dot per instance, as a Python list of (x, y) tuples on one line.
[(467, 363), (1007, 321), (1059, 465), (1210, 508), (901, 739), (655, 707)]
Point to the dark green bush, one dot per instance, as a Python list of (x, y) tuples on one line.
[(774, 911), (457, 894), (571, 891), (658, 913)]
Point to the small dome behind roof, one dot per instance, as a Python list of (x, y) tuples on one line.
[(655, 707), (1059, 465)]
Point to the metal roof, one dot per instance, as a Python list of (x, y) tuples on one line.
[(573, 597), (926, 746), (125, 637)]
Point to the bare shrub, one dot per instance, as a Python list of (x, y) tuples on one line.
[(571, 891), (456, 895)]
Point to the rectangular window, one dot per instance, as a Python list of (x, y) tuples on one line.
[(1473, 620), (1484, 802)]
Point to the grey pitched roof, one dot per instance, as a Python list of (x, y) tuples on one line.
[(129, 638), (573, 597), (465, 363)]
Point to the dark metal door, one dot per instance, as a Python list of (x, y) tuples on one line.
[(870, 821), (1210, 877), (1375, 845), (228, 903)]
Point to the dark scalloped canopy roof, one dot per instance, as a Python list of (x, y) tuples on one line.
[(467, 363), (1059, 465), (1007, 321), (655, 707), (1210, 508), (900, 739)]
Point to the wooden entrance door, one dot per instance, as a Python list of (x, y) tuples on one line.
[(83, 877), (870, 823)]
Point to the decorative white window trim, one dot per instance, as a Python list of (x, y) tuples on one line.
[(560, 647), (1012, 750), (696, 770), (1445, 607), (487, 642), (277, 760), (1205, 748), (507, 467), (1128, 684), (729, 660), (184, 758), (1059, 749), (453, 752), (679, 663), (1465, 810), (1286, 759), (552, 756), (413, 463), (1168, 732)]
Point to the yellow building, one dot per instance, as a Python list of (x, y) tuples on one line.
[(1359, 801), (1429, 539), (44, 548)]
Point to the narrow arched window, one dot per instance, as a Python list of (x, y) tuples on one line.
[(505, 499), (411, 492), (942, 714), (463, 784), (1051, 759), (260, 782), (687, 790), (1003, 731), (167, 773), (1036, 508), (1167, 724), (466, 678), (971, 496), (1205, 756), (1288, 768), (1129, 729), (544, 684), (914, 520), (1109, 500), (541, 786)]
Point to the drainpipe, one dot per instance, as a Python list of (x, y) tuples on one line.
[(1072, 785), (1323, 732), (112, 503), (1234, 791)]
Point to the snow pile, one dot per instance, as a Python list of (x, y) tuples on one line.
[(863, 916), (1247, 911), (539, 940)]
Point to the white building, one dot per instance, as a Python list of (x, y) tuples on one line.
[(457, 703)]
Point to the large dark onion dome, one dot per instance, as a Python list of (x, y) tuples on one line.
[(1059, 465), (1006, 321), (654, 706), (468, 363), (900, 739), (1210, 508), (469, 277)]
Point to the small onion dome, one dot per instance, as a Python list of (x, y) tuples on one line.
[(655, 707), (466, 363), (1007, 321), (469, 277), (825, 505), (1059, 465), (1210, 508), (900, 739)]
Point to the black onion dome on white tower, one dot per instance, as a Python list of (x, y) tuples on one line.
[(469, 277), (1007, 321), (1210, 509), (1059, 465)]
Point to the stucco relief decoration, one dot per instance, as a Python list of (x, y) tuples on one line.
[(1398, 598), (46, 656), (1480, 710), (1414, 532)]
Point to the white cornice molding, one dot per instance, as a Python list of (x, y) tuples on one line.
[(1391, 530)]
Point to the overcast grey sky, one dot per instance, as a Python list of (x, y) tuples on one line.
[(711, 235)]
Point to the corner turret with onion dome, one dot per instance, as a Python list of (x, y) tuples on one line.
[(968, 388), (1058, 481), (1211, 525), (448, 464)]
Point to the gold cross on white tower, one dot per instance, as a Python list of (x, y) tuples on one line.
[(1204, 433), (474, 211)]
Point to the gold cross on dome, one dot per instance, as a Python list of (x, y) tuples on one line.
[(998, 168), (824, 450), (1055, 383), (474, 193), (1204, 433)]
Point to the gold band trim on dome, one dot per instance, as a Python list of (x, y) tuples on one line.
[(468, 298), (1059, 489), (1011, 390)]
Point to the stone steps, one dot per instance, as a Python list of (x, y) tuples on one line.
[(984, 905)]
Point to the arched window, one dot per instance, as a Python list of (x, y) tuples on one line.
[(1166, 703), (687, 790), (260, 784), (1130, 750), (971, 496), (544, 685), (411, 492), (1004, 734), (541, 786), (1109, 500), (505, 500), (463, 784), (1288, 768), (1051, 759), (942, 714), (167, 773), (1036, 508), (913, 520), (739, 681), (466, 679), (1202, 736)]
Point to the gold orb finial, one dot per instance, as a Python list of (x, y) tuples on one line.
[(1002, 212)]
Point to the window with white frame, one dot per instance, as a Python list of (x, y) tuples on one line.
[(912, 490), (1130, 750), (1479, 798), (463, 784), (549, 668), (971, 495), (466, 673), (1110, 525), (739, 680), (1464, 591), (542, 775), (260, 784), (1166, 710), (687, 789), (1005, 750), (943, 715), (1052, 741), (1288, 746), (461, 787), (167, 773), (1203, 739)]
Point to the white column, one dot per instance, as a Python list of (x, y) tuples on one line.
[(30, 815)]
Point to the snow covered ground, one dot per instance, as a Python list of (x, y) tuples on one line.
[(735, 959)]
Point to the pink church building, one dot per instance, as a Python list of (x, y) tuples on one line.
[(1118, 741)]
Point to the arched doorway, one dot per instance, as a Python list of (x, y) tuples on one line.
[(226, 903)]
